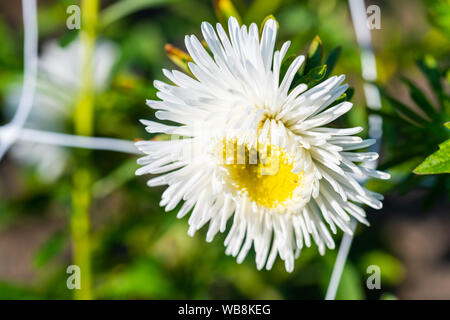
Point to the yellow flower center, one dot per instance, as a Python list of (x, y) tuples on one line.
[(264, 174)]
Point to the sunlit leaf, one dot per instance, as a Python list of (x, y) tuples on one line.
[(438, 162), (439, 14), (225, 9), (350, 287), (392, 270)]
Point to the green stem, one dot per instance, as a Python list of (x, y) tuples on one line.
[(84, 111), (80, 225), (83, 122)]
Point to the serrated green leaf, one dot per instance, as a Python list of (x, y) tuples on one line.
[(438, 162), (313, 77), (314, 56)]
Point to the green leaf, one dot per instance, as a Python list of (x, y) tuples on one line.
[(420, 99), (314, 56), (392, 270), (68, 38), (313, 77), (143, 278), (401, 108), (332, 59), (438, 162), (346, 96), (350, 92), (285, 66), (350, 287), (118, 177), (388, 296), (428, 65), (224, 10), (12, 291), (49, 249), (121, 9), (260, 9), (439, 15)]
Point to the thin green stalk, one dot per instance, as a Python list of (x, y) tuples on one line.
[(80, 225), (83, 122), (84, 111)]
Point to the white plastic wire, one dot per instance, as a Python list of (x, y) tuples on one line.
[(75, 141), (373, 101), (30, 60)]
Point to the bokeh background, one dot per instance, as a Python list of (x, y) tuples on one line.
[(141, 252)]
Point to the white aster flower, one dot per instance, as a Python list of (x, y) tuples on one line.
[(254, 150)]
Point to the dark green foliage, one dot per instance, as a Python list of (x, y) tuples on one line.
[(411, 134)]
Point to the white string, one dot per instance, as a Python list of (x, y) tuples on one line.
[(373, 101), (341, 258), (30, 60), (75, 141)]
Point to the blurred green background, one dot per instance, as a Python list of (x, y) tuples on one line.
[(141, 252)]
